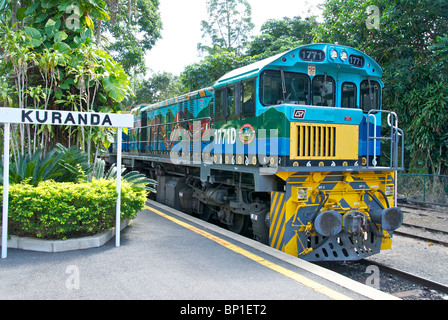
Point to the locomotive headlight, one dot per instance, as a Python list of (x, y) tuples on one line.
[(334, 54), (302, 194), (344, 56)]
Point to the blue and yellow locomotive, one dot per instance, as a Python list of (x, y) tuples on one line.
[(289, 148)]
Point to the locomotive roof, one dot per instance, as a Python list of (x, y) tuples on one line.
[(291, 57), (247, 71), (205, 92), (286, 59)]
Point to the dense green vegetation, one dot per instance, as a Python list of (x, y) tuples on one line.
[(411, 44), (56, 55)]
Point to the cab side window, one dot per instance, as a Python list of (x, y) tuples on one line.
[(248, 98), (235, 101), (220, 104)]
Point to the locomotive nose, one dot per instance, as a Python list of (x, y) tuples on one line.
[(390, 218)]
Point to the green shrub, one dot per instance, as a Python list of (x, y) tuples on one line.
[(67, 210), (63, 164), (60, 164)]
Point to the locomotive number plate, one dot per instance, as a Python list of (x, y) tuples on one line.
[(312, 55), (356, 61)]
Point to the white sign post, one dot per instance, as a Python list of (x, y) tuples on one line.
[(5, 190), (63, 118)]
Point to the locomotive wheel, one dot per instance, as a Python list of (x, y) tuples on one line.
[(240, 224)]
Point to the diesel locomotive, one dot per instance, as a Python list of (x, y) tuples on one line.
[(294, 150)]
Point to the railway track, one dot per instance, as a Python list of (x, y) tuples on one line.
[(433, 227), (412, 279), (406, 231), (425, 210), (391, 280), (424, 224)]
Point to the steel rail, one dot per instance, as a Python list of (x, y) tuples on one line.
[(421, 237), (408, 276)]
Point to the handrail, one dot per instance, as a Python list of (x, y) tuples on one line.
[(396, 133), (171, 123), (157, 126), (374, 162)]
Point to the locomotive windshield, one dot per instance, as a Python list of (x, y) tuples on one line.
[(278, 86), (284, 87), (323, 91)]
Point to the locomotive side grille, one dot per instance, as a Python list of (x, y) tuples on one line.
[(323, 141)]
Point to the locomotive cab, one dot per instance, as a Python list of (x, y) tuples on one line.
[(319, 110)]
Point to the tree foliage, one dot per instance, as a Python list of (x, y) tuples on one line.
[(158, 87), (405, 28), (281, 35), (417, 90), (228, 26), (275, 36), (134, 28), (211, 68), (410, 42), (51, 59)]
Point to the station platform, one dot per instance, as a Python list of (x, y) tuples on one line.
[(168, 255)]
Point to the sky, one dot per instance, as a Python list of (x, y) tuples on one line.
[(182, 31)]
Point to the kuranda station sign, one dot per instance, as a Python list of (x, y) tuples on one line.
[(58, 118), (65, 118)]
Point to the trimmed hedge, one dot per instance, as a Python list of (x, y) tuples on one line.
[(69, 210)]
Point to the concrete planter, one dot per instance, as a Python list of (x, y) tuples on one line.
[(96, 241)]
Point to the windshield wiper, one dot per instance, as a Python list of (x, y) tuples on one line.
[(282, 72)]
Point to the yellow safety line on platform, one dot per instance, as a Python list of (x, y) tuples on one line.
[(288, 273)]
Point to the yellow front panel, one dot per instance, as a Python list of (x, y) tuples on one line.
[(347, 142), (291, 229)]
